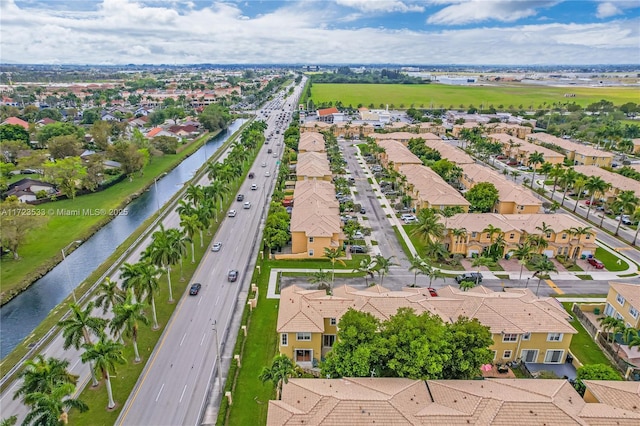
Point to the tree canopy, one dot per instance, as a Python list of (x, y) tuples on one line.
[(482, 197), (215, 117)]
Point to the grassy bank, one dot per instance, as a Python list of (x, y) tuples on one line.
[(41, 251), (443, 96)]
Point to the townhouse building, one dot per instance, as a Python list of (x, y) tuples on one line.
[(578, 153), (523, 326), (396, 154), (623, 302), (313, 165), (428, 190), (311, 142), (520, 150), (466, 233), (618, 182), (513, 198)]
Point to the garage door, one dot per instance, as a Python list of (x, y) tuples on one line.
[(548, 253)]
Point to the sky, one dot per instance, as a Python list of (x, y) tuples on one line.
[(308, 32)]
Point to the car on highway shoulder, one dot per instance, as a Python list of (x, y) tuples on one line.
[(195, 289), (232, 213), (232, 276), (216, 246)]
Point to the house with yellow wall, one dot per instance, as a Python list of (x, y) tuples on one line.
[(311, 142), (313, 165), (579, 154), (522, 325), (428, 190), (618, 182), (396, 154), (513, 198), (520, 150), (623, 302), (466, 235)]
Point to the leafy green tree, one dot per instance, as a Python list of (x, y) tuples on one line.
[(64, 146), (468, 349), (278, 373), (215, 117), (101, 131), (14, 132), (9, 150), (483, 196), (42, 375), (58, 129), (594, 372), (15, 227), (429, 227), (48, 408), (9, 421), (66, 173), (131, 158), (105, 354), (357, 350), (126, 319)]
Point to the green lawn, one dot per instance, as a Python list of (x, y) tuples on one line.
[(41, 251), (610, 260), (583, 346), (443, 96)]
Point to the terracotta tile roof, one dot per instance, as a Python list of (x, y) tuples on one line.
[(451, 153), (398, 153), (615, 179), (429, 187), (525, 146), (630, 292), (321, 190), (311, 141), (153, 132), (314, 125), (568, 145), (327, 111), (620, 394), (508, 191), (17, 121), (313, 164), (396, 136)]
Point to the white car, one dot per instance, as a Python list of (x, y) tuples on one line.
[(232, 213), (254, 186), (408, 216), (358, 235), (247, 205), (267, 174), (216, 246), (263, 165)]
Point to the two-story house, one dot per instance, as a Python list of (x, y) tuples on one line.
[(618, 182), (520, 150), (578, 153), (395, 154), (623, 302), (428, 190), (313, 165)]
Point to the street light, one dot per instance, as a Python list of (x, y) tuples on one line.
[(66, 267), (527, 285), (215, 333)]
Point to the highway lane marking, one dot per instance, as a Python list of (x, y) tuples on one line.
[(182, 340), (182, 394), (161, 388), (74, 365), (199, 300), (217, 300), (203, 336)]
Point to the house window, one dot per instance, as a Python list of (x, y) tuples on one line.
[(303, 336), (509, 337), (564, 236), (554, 337), (633, 312), (618, 316), (587, 237), (284, 339), (548, 234), (506, 354), (310, 239), (488, 235), (310, 253), (512, 236), (474, 234), (332, 321), (526, 336), (494, 354), (553, 357), (328, 340), (620, 299)]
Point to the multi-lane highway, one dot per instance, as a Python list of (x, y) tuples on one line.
[(172, 389)]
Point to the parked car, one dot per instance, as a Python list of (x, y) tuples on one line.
[(595, 263), (357, 249), (625, 219), (216, 246), (469, 276), (362, 210), (240, 197), (358, 235), (232, 213), (432, 292), (232, 276), (195, 289)]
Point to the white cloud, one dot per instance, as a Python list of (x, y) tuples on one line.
[(481, 10), (607, 9), (122, 32), (381, 5)]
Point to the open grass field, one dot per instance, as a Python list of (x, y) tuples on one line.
[(443, 96)]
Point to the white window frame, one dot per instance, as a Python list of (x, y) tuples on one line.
[(311, 252), (526, 336), (507, 354), (333, 321), (620, 299), (546, 355), (284, 339), (310, 239), (302, 336), (328, 335), (554, 337), (525, 352), (509, 337), (633, 312)]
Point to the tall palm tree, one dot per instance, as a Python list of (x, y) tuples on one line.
[(76, 328), (125, 321), (418, 266), (383, 264), (556, 173), (142, 279), (608, 324), (194, 194), (429, 227), (566, 180), (190, 225), (367, 266), (545, 169), (482, 261), (321, 278), (334, 255), (48, 408), (185, 208), (467, 285), (545, 230), (542, 268), (216, 191), (162, 253), (596, 186), (578, 188), (492, 230), (458, 234), (523, 254), (105, 354), (535, 158), (42, 374), (179, 241), (635, 217), (109, 294), (626, 203), (281, 369)]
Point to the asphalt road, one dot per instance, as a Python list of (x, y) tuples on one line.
[(173, 388)]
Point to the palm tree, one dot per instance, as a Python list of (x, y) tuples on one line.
[(632, 339), (625, 203), (467, 285), (545, 169), (9, 421), (76, 328), (429, 227), (334, 255), (125, 321), (105, 354), (635, 217), (383, 264), (109, 294), (492, 230), (557, 172), (321, 278), (545, 230), (185, 208), (542, 268), (179, 242), (194, 194), (161, 252), (457, 235), (523, 254), (418, 266), (608, 323), (48, 408), (191, 224), (566, 180), (279, 372), (595, 185), (482, 261), (42, 375), (142, 279), (366, 265), (535, 158)]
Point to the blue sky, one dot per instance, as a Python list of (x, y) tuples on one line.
[(515, 32)]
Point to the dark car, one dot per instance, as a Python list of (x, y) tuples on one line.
[(362, 210), (195, 288), (469, 276), (251, 175), (595, 263), (240, 197), (432, 292), (233, 276), (357, 249)]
